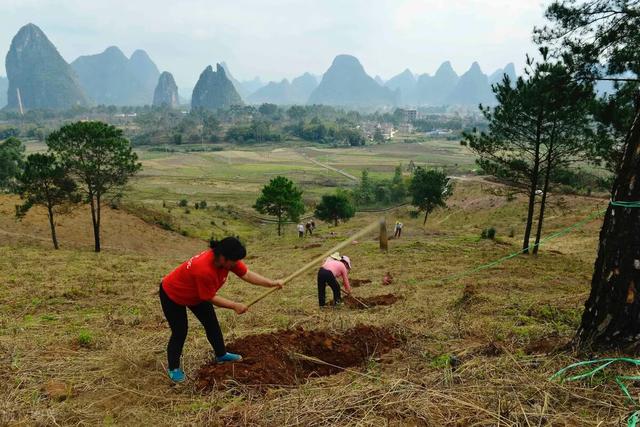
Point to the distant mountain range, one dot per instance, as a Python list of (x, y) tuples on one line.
[(39, 78), (285, 93), (346, 84), (4, 86), (110, 78), (166, 92), (44, 79), (215, 90)]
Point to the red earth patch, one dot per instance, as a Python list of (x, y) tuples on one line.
[(283, 358)]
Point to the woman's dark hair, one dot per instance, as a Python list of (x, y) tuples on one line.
[(229, 247)]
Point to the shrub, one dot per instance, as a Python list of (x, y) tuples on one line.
[(488, 233), (183, 203), (85, 339)]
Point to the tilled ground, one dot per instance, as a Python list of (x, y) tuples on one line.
[(290, 357), (368, 302), (356, 283)]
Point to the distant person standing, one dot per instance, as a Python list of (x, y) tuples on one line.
[(334, 267), (313, 225), (300, 231), (398, 230), (308, 228)]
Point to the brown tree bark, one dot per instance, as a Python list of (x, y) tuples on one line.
[(612, 313), (96, 223), (52, 225), (543, 201), (535, 177)]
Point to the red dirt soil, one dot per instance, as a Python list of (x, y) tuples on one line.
[(387, 299), (273, 359)]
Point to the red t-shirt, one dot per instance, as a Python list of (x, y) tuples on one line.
[(198, 279)]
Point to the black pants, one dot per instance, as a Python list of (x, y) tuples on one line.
[(325, 277), (176, 315)]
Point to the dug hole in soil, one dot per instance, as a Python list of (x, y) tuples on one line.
[(356, 283), (277, 359), (363, 303)]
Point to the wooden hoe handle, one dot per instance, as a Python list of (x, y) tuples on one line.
[(369, 228)]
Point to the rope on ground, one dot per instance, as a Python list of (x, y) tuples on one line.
[(626, 204), (621, 380), (579, 224), (555, 235)]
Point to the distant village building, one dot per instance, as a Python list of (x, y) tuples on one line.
[(409, 116), (388, 131), (439, 132), (369, 129), (406, 128)]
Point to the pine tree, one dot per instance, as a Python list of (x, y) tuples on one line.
[(45, 182), (587, 33), (282, 199), (100, 160)]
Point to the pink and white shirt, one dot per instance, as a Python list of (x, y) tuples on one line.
[(339, 270)]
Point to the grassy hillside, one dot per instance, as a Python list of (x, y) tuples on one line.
[(83, 338)]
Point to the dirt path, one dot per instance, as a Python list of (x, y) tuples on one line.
[(331, 168)]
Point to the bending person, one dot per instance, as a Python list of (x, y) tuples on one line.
[(334, 267), (194, 285)]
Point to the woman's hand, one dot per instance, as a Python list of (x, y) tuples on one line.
[(256, 279), (240, 308)]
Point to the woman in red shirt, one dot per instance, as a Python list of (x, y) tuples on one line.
[(194, 285)]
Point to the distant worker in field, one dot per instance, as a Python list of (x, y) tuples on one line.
[(194, 285), (313, 225), (398, 230), (334, 267), (308, 228), (300, 230)]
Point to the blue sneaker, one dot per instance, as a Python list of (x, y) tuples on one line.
[(176, 375), (229, 357)]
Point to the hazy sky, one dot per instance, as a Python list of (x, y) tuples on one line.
[(274, 39)]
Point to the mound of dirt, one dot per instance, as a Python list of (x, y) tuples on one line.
[(282, 358), (360, 302), (359, 282)]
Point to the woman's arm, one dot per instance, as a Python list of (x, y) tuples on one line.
[(232, 305), (258, 280), (345, 280)]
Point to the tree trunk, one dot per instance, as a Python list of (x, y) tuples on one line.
[(279, 225), (532, 204), (535, 176), (335, 221), (426, 214), (612, 313), (543, 201), (52, 224), (95, 223)]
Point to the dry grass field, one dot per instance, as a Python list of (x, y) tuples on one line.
[(82, 336)]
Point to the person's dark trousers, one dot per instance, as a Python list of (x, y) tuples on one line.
[(300, 233), (325, 277), (176, 315)]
